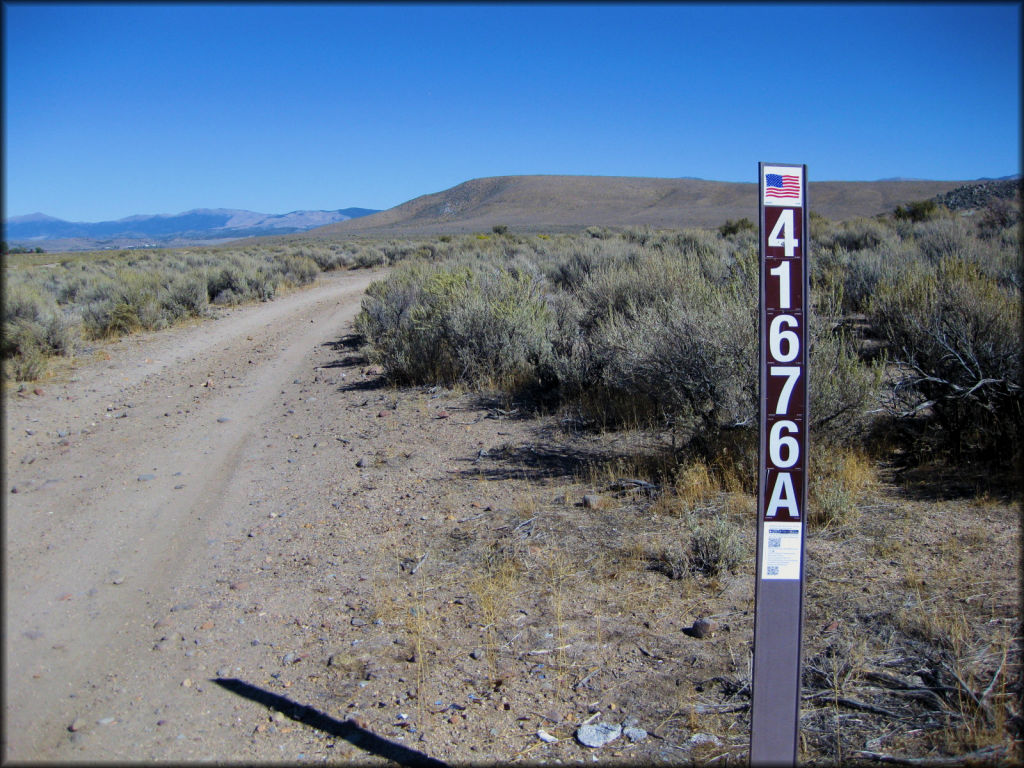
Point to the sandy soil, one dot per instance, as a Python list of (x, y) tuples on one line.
[(231, 541)]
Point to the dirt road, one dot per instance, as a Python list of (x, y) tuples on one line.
[(127, 487)]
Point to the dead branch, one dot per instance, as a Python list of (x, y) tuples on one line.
[(985, 755), (966, 689), (417, 566), (900, 687), (988, 691), (719, 709), (852, 704)]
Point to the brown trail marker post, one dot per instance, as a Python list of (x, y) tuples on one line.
[(782, 479)]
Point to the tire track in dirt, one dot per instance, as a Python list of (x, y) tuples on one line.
[(104, 522)]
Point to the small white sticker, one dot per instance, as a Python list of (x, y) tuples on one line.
[(781, 550)]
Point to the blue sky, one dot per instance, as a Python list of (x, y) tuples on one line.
[(114, 110)]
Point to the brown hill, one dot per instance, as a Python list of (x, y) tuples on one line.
[(567, 203)]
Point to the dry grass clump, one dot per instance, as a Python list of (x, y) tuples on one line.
[(695, 485), (838, 480), (493, 589)]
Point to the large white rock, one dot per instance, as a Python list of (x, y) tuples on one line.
[(598, 734)]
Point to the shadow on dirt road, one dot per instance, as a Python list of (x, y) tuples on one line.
[(343, 729)]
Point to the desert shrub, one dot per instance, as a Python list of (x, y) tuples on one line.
[(431, 251), (998, 215), (185, 296), (637, 235), (369, 257), (715, 545), (300, 269), (693, 357), (861, 275), (149, 293), (657, 327), (859, 234), (918, 210), (999, 258), (672, 560), (428, 252), (241, 279), (841, 280), (577, 266), (28, 363), (953, 333), (74, 281), (123, 304), (626, 279), (395, 251), (502, 332), (853, 274), (648, 329), (735, 227), (574, 365), (821, 229), (60, 335), (599, 233), (430, 324), (24, 302), (423, 349), (845, 390), (943, 238), (342, 258), (225, 285), (326, 257), (702, 243), (34, 329), (386, 309), (648, 341), (130, 291)]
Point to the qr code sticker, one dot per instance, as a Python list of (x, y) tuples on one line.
[(772, 570), (774, 541)]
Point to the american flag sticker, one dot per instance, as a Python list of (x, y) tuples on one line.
[(782, 186)]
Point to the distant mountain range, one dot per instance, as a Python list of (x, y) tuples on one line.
[(199, 226), (572, 203), (522, 203)]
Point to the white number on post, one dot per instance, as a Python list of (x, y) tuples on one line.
[(779, 338), (777, 442), (792, 373), (782, 233), (782, 272)]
